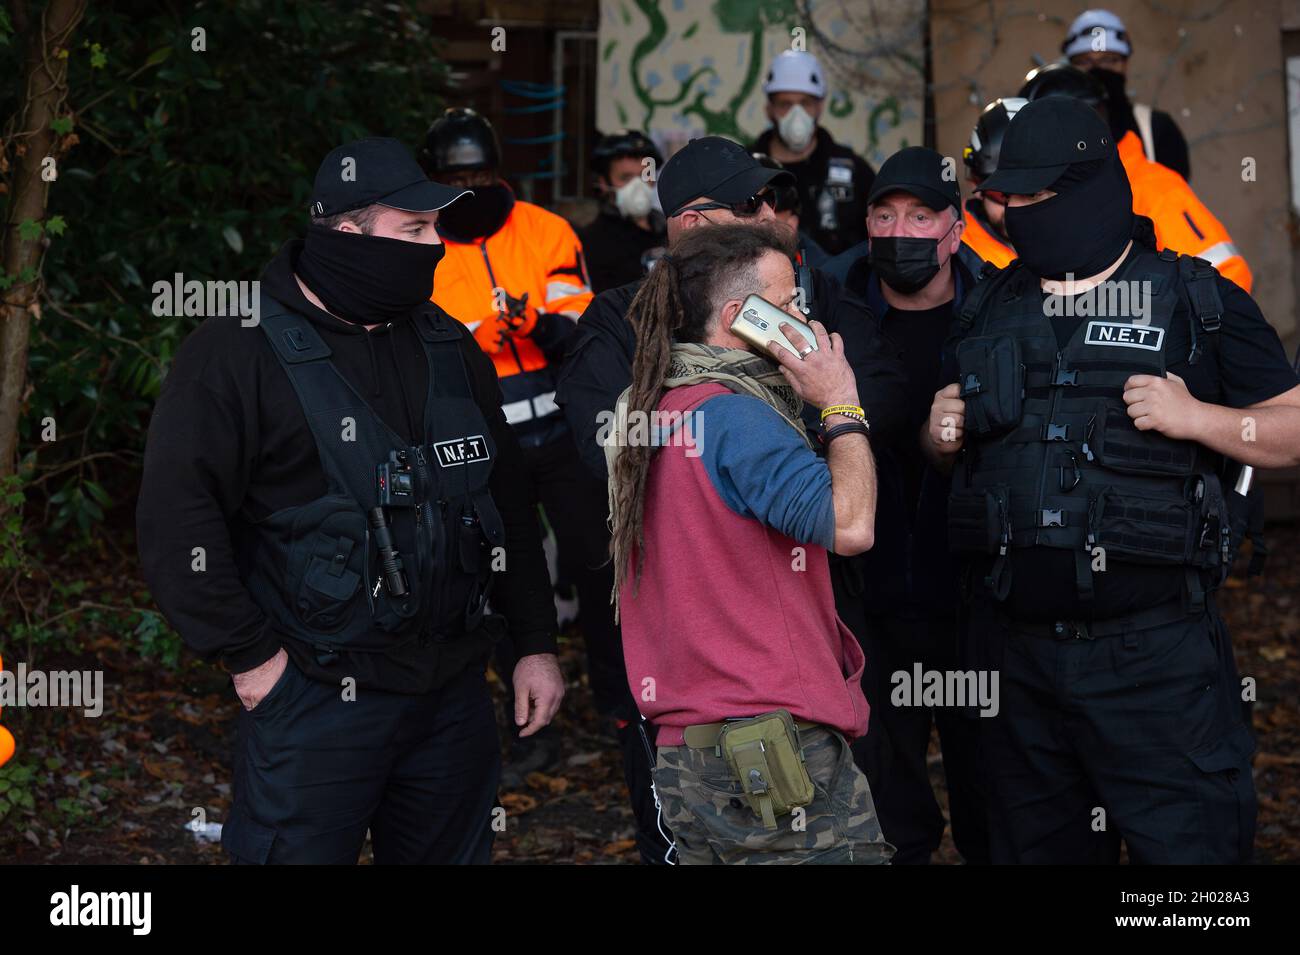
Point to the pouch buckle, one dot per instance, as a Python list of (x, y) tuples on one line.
[(1055, 432)]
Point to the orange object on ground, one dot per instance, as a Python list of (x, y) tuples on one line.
[(6, 738)]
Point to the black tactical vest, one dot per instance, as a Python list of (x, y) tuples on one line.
[(1051, 457), (315, 569)]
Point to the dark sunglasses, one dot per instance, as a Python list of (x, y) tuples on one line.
[(742, 209)]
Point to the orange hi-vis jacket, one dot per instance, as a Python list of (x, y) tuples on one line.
[(534, 252), (983, 241), (1182, 221)]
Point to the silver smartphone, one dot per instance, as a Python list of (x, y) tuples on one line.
[(759, 322)]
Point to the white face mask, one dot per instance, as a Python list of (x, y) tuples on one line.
[(796, 128), (634, 198)]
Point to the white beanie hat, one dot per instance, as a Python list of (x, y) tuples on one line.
[(796, 71), (1097, 31)]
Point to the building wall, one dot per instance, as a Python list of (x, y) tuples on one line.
[(1217, 67), (679, 69)]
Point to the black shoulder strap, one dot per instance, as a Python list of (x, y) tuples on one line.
[(291, 335), (1199, 281), (435, 325), (990, 280)]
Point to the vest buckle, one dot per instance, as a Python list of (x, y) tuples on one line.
[(1055, 432), (1051, 517), (1063, 377)]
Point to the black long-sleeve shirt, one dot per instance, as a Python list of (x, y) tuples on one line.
[(229, 444)]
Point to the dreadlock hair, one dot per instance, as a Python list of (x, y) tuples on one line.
[(707, 267)]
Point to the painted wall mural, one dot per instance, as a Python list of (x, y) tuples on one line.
[(685, 68)]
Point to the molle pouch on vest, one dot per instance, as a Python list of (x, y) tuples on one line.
[(992, 380), (1213, 547), (765, 755), (979, 521), (480, 534), (327, 564), (1144, 527), (1119, 446)]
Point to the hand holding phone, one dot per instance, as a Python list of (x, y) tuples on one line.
[(759, 322)]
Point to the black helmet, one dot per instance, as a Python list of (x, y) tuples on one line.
[(460, 139), (625, 142), (981, 154), (1062, 79), (786, 192)]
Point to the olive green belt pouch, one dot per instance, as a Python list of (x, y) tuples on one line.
[(765, 755)]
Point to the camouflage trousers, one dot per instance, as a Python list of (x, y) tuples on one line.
[(705, 809)]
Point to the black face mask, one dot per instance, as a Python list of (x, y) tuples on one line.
[(367, 279), (906, 263), (1081, 231), (1119, 112), (477, 216)]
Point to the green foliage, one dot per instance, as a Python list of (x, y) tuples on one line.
[(189, 162), (17, 787), (157, 641)]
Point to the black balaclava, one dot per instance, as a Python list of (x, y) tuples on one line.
[(477, 216), (1081, 230), (367, 279), (906, 263), (1119, 111)]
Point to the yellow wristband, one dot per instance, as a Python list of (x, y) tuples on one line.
[(851, 411)]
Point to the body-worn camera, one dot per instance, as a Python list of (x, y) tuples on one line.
[(395, 480)]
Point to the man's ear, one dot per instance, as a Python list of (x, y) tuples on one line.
[(957, 230), (347, 225), (728, 314)]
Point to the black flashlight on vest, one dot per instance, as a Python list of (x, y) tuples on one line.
[(389, 560)]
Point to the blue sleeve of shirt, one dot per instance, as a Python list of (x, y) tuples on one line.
[(763, 469)]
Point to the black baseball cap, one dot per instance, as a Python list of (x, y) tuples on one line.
[(919, 172), (381, 171), (1045, 138), (714, 167)]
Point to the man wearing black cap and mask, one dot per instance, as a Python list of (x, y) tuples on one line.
[(713, 181), (1099, 386), (305, 480), (913, 280)]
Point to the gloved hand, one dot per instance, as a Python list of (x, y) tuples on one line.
[(6, 738), (519, 319)]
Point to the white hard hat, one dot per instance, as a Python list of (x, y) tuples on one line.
[(1097, 31), (796, 71)]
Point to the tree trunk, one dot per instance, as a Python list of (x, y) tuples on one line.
[(44, 34)]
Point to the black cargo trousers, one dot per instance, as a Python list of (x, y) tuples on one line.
[(1139, 736), (314, 772)]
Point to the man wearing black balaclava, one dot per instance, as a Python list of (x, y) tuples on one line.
[(1105, 396), (1099, 43), (326, 504), (913, 281)]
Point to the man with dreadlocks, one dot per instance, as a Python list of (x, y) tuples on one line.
[(720, 533)]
